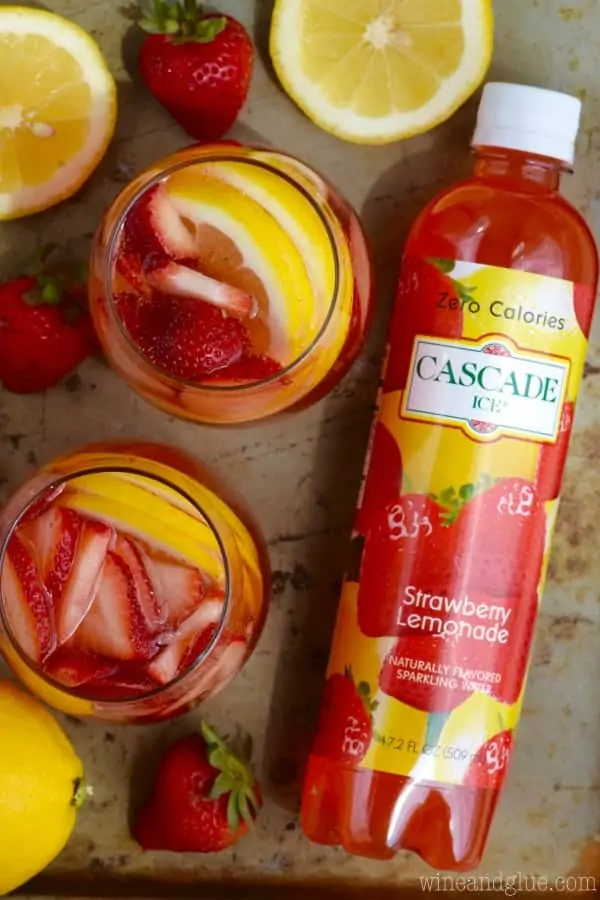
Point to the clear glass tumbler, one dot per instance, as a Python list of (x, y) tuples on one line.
[(230, 283), (130, 590)]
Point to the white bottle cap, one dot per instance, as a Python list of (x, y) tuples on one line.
[(529, 119)]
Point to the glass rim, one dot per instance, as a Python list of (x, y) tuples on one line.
[(151, 181), (78, 692)]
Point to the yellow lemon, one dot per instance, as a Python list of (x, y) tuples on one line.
[(373, 72), (57, 109), (41, 787)]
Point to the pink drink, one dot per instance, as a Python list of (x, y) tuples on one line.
[(230, 283), (127, 583)]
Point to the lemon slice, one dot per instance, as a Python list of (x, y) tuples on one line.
[(246, 543), (293, 212), (57, 109), (375, 71), (146, 516), (291, 313)]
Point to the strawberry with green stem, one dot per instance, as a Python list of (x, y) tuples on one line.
[(45, 327), (205, 797), (198, 66), (345, 727)]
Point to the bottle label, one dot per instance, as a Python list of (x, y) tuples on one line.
[(451, 539), (455, 382)]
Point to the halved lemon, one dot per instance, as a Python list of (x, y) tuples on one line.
[(58, 105), (376, 71)]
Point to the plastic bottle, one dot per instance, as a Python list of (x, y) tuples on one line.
[(451, 540)]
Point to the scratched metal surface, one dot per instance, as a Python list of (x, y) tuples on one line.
[(302, 475)]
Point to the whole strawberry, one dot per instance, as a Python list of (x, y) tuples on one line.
[(45, 329), (198, 66), (204, 799), (345, 725)]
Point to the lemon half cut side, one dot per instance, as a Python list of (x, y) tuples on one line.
[(377, 71), (57, 109)]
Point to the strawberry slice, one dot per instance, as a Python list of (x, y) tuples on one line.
[(73, 599), (153, 611), (179, 589), (55, 535), (153, 226), (188, 339), (73, 669), (115, 625), (26, 602), (166, 664), (182, 281)]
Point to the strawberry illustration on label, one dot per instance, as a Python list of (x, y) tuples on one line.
[(407, 542), (429, 303), (552, 458), (384, 477), (345, 725), (490, 764), (502, 539)]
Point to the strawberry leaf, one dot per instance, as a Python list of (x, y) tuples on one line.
[(234, 778), (206, 30), (244, 810), (467, 491), (364, 689), (152, 27), (464, 293), (442, 265), (233, 818), (181, 20), (220, 787)]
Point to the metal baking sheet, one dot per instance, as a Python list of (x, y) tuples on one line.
[(302, 475)]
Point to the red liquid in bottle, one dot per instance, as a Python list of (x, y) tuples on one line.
[(430, 654)]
